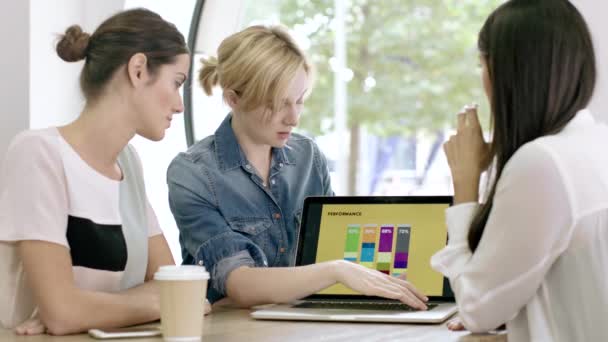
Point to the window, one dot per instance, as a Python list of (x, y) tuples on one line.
[(391, 76)]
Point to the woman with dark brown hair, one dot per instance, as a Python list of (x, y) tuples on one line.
[(79, 241), (533, 255)]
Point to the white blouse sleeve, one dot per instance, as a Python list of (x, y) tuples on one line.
[(153, 226), (528, 227), (33, 195), (151, 218)]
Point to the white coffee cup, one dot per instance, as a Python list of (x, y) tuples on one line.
[(182, 301)]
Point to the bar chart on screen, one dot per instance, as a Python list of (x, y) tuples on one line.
[(383, 247)]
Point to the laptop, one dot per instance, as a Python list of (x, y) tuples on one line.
[(393, 235)]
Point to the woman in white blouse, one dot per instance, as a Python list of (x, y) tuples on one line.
[(534, 255), (79, 242)]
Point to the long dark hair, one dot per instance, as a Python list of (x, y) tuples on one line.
[(541, 66)]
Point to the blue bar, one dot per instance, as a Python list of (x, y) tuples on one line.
[(368, 245), (367, 254)]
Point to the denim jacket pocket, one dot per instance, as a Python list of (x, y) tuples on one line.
[(256, 229)]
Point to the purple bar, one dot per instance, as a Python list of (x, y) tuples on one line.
[(386, 239), (400, 260)]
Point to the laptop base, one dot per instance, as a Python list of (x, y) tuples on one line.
[(439, 314)]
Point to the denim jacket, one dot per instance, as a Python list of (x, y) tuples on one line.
[(225, 215)]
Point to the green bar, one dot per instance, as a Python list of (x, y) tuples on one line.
[(352, 238), (383, 266)]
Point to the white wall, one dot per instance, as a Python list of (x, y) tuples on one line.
[(55, 97), (37, 88), (96, 11), (53, 90), (595, 14), (14, 70)]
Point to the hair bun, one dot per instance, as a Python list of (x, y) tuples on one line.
[(73, 44), (210, 61)]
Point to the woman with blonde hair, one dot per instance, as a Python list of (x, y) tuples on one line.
[(79, 242), (237, 195)]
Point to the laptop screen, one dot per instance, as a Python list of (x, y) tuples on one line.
[(393, 235)]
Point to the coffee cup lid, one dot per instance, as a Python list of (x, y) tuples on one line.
[(181, 272)]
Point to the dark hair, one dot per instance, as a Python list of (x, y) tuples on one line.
[(115, 41), (542, 71)]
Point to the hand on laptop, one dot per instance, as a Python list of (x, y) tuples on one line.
[(373, 283)]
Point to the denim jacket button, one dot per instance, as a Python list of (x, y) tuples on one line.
[(248, 167), (277, 216), (282, 250), (200, 262), (272, 181), (280, 164)]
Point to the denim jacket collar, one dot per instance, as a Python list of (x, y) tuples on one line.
[(230, 155)]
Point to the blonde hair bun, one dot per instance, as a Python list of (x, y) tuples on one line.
[(258, 63)]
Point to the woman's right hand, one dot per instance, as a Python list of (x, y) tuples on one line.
[(456, 324), (374, 283), (32, 326), (468, 156), (208, 307)]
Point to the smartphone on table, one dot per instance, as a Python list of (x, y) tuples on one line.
[(129, 332)]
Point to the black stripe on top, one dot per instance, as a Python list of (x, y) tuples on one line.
[(96, 246)]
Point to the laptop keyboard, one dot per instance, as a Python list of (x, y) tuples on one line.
[(359, 305)]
